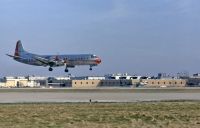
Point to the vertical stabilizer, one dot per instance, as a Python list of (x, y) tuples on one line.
[(19, 48)]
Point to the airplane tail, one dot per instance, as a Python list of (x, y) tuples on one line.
[(19, 48)]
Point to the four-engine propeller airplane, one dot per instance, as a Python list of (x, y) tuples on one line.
[(69, 61)]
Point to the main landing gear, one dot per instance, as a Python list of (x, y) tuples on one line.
[(50, 69), (90, 68), (66, 70)]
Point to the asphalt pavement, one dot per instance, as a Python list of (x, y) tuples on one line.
[(107, 95)]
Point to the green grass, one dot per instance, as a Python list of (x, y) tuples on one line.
[(101, 115)]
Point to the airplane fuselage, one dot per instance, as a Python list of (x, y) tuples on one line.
[(69, 61)]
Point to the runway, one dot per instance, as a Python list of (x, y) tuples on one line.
[(107, 95)]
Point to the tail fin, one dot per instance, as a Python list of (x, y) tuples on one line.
[(19, 48)]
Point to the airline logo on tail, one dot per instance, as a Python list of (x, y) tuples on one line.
[(19, 48)]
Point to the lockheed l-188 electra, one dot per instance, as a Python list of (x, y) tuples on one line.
[(69, 61)]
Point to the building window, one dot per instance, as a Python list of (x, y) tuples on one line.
[(92, 82), (158, 82), (164, 82), (81, 82), (75, 83), (86, 82), (175, 82)]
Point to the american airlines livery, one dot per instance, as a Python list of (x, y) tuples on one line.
[(69, 61)]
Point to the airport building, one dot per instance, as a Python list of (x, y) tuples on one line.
[(37, 81), (165, 83), (88, 78), (124, 76), (102, 83), (194, 81), (21, 82), (91, 82), (10, 82), (125, 83)]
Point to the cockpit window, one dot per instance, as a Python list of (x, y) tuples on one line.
[(93, 56)]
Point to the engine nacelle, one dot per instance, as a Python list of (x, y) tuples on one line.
[(70, 66)]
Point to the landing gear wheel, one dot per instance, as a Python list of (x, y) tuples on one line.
[(90, 68), (50, 69), (66, 70)]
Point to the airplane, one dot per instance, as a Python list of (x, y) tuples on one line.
[(69, 61)]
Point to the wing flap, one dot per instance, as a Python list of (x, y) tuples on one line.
[(42, 60), (49, 61)]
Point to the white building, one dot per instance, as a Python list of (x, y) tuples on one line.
[(62, 78), (125, 76), (89, 78)]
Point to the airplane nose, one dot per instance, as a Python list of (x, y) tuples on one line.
[(98, 60)]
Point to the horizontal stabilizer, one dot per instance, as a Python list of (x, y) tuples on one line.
[(15, 57), (10, 55)]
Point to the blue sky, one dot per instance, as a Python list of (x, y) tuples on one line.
[(134, 36)]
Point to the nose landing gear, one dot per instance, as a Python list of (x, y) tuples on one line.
[(66, 70)]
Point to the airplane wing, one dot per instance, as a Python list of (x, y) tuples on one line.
[(42, 60), (50, 62), (10, 55)]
